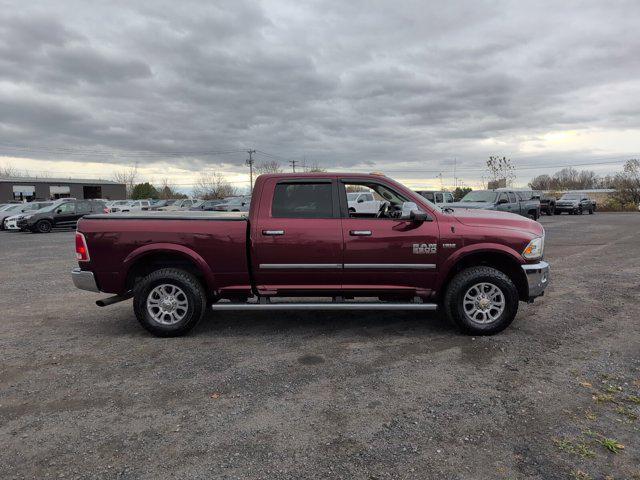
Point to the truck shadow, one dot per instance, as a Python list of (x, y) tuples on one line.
[(319, 323)]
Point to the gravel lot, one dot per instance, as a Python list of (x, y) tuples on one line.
[(86, 393)]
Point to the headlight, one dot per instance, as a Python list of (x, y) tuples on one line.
[(535, 249), (25, 217)]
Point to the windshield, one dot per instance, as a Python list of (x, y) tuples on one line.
[(570, 197), (485, 196)]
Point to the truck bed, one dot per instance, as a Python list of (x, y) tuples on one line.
[(214, 242)]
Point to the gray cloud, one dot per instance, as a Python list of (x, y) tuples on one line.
[(342, 83)]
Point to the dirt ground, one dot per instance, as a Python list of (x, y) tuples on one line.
[(86, 393)]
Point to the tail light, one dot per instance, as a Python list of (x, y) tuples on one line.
[(82, 252), (106, 210)]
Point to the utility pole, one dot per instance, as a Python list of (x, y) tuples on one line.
[(293, 165), (249, 162), (455, 178)]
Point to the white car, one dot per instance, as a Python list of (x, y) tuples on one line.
[(11, 223), (233, 204), (130, 205), (184, 204), (363, 202)]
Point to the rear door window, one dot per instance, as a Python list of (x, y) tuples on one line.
[(512, 197), (67, 208), (303, 200)]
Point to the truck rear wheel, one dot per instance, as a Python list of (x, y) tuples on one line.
[(481, 301), (169, 302)]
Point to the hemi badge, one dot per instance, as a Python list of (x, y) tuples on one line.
[(448, 245)]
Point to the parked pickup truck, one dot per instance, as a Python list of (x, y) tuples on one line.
[(299, 240), (500, 199)]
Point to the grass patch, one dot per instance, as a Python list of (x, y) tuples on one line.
[(612, 445), (604, 398), (634, 399), (576, 448)]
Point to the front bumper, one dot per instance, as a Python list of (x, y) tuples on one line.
[(84, 280), (566, 208), (537, 278)]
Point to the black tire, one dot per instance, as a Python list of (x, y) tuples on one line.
[(43, 226), (591, 211), (192, 289), (552, 210), (580, 211), (462, 283)]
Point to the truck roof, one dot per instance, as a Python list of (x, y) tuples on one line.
[(322, 175)]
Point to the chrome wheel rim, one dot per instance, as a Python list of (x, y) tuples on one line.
[(167, 304), (484, 303)]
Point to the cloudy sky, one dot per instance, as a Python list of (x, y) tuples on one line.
[(408, 88)]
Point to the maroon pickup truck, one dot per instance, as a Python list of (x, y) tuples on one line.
[(301, 248)]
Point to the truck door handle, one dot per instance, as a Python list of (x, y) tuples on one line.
[(273, 233), (360, 233)]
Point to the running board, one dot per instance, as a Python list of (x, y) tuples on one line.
[(325, 306)]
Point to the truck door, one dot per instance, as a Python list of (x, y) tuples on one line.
[(383, 254), (504, 203), (296, 238)]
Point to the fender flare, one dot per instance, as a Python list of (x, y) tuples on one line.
[(181, 250), (473, 249)]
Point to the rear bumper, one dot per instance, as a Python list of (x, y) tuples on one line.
[(537, 278), (84, 280)]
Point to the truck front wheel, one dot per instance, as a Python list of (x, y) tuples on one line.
[(481, 301), (169, 302)]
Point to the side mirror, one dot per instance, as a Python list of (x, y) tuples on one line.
[(411, 212), (59, 210), (361, 200), (417, 216), (502, 201)]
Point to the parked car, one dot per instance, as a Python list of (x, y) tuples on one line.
[(499, 199), (233, 204), (11, 223), (575, 204), (14, 209), (156, 204), (363, 202), (60, 215), (206, 205), (183, 204), (436, 196), (300, 240), (130, 206)]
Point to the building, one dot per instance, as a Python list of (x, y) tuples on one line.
[(27, 189)]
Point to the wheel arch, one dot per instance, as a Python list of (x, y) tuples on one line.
[(499, 257), (148, 258)]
